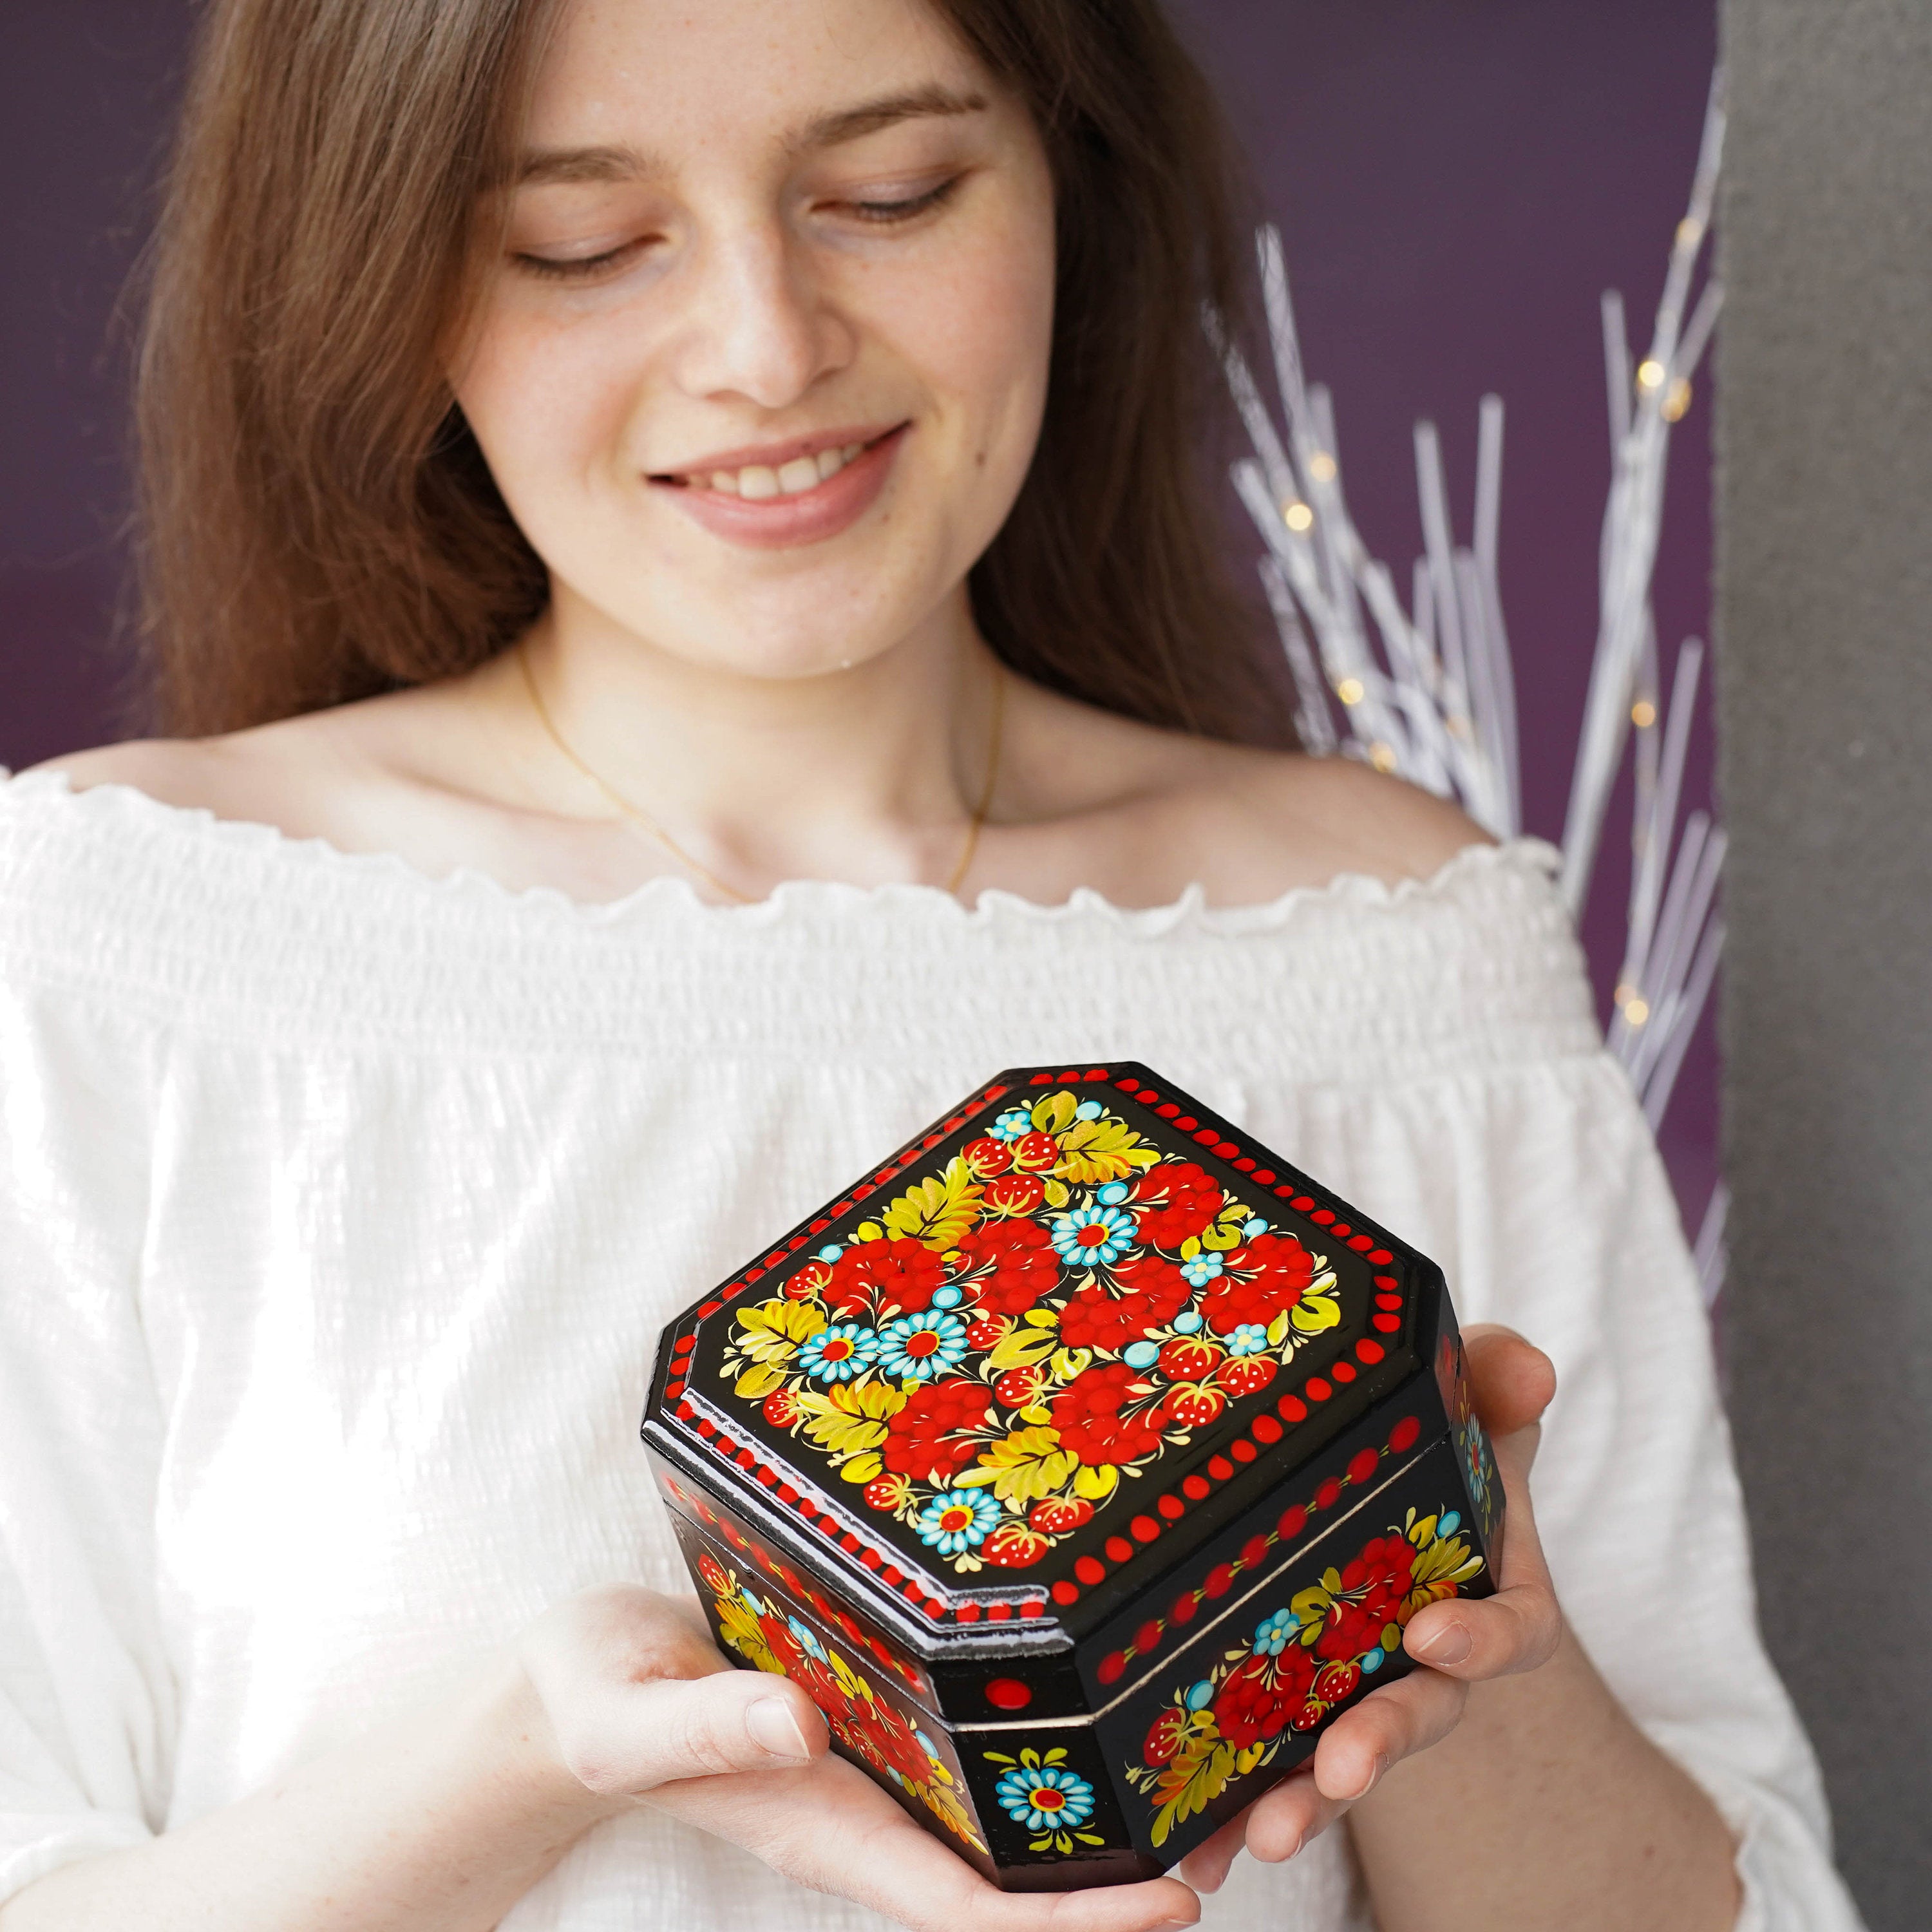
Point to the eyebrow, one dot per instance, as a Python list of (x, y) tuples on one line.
[(547, 166)]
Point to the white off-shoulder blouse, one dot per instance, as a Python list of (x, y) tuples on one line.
[(340, 1210)]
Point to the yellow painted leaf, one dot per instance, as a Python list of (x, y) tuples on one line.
[(1102, 1150), (1095, 1480), (844, 1435), (868, 1230), (1038, 1412), (1277, 1330), (1069, 1363), (1020, 1349), (1315, 1312), (771, 1331), (1057, 1194), (1023, 1466), (1043, 1318), (861, 1468), (1219, 1239), (758, 1381), (1055, 1111), (938, 1210), (1190, 1247)]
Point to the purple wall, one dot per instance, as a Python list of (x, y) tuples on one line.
[(1456, 185)]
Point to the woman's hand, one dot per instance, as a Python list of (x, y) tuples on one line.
[(641, 1709), (1460, 1642)]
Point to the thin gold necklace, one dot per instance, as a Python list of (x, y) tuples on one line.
[(632, 810)]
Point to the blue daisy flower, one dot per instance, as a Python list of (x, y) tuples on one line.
[(1093, 1235), (1198, 1270), (1045, 1800), (1250, 1339), (1016, 1123), (918, 1347), (957, 1520), (838, 1353), (1273, 1634)]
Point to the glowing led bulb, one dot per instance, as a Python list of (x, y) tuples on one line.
[(1298, 516), (1677, 404), (1382, 756), (1322, 466), (1650, 374), (1349, 691), (1643, 714)]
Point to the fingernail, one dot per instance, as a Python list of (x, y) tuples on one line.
[(772, 1728), (1175, 1925), (1450, 1645)]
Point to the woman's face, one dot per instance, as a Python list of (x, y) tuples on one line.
[(761, 370)]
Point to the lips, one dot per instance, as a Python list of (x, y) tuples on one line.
[(785, 495)]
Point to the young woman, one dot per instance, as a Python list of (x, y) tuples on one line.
[(675, 567)]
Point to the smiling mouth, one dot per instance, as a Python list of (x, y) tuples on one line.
[(758, 482)]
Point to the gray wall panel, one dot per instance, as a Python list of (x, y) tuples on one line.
[(1824, 682)]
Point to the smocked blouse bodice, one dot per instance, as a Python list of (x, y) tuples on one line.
[(340, 1208)]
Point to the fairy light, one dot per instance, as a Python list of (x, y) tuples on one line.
[(1690, 232), (1350, 690), (1298, 516), (1677, 404), (1382, 756), (1643, 714), (1322, 466), (1650, 374), (1637, 1010)]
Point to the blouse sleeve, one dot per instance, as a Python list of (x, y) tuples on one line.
[(1539, 1189), (86, 1698)]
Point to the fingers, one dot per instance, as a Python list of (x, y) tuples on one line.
[(830, 1828), (636, 1697), (1354, 1752), (1512, 1381), (1395, 1723)]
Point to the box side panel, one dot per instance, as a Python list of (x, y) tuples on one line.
[(760, 1625), (691, 1502), (1234, 1713), (1481, 1478), (1032, 1811), (1304, 1503)]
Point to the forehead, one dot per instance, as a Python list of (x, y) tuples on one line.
[(686, 76)]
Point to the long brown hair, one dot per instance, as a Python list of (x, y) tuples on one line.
[(317, 523)]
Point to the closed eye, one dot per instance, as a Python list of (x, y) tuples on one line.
[(886, 213)]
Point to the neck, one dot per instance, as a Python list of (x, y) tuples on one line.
[(869, 773)]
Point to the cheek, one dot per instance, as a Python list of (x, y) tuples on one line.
[(545, 399), (980, 332)]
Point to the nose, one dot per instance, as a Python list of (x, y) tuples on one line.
[(759, 327)]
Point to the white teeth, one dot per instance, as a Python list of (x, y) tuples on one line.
[(759, 481)]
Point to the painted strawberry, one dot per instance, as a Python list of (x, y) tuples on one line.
[(1190, 1358), (1034, 1151), (988, 1156), (1243, 1375), (1057, 1515), (780, 1410), (1194, 1405), (1013, 1547), (1017, 1387)]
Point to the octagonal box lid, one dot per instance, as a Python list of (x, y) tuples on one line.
[(1040, 1368)]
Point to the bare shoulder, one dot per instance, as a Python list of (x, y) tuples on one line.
[(302, 774), (1249, 824)]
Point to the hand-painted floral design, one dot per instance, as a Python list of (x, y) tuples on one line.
[(873, 1727), (1040, 1795), (958, 1520), (1302, 1659), (1054, 1310), (1472, 1442), (838, 1353)]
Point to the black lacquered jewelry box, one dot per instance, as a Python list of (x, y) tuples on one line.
[(1080, 1461)]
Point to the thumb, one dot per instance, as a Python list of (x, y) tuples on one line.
[(654, 1732)]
